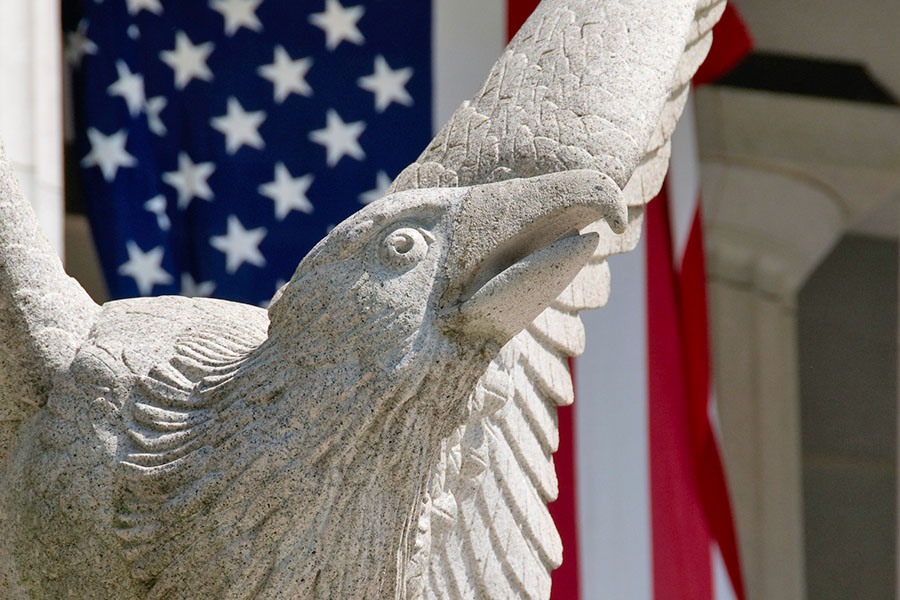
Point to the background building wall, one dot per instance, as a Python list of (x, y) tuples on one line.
[(31, 97), (847, 314), (785, 177), (863, 32)]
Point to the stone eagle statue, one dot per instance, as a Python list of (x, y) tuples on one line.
[(386, 428)]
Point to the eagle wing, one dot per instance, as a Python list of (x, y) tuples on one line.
[(168, 424), (44, 314), (579, 87)]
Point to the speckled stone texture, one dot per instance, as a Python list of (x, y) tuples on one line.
[(386, 428)]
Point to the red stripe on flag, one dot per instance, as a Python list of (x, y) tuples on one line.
[(711, 474), (682, 568), (565, 583), (731, 43), (517, 12)]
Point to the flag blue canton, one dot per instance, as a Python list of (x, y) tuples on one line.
[(219, 141)]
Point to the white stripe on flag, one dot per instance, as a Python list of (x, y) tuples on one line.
[(463, 50), (722, 589), (684, 180), (612, 447)]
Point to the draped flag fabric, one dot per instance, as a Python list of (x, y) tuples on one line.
[(220, 140)]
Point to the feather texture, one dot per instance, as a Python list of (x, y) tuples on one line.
[(44, 314), (570, 92)]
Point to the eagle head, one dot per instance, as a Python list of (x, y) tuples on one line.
[(425, 286)]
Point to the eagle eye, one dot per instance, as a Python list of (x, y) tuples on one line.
[(403, 247)]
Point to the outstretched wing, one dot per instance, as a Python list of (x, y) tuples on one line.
[(192, 381), (44, 314), (596, 84)]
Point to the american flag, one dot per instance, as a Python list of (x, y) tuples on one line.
[(219, 141)]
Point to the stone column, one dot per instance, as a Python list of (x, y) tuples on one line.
[(784, 178), (31, 101)]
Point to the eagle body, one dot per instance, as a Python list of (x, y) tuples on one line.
[(257, 446), (205, 462)]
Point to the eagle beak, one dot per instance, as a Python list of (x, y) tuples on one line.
[(516, 246)]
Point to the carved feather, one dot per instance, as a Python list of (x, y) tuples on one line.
[(173, 420), (44, 314), (571, 91)]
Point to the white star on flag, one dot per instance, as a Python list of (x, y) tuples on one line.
[(136, 6), (287, 192), (387, 84), (237, 14), (144, 267), (108, 152), (130, 86), (157, 206), (339, 23), (78, 45), (187, 60), (340, 139), (194, 289), (240, 245), (241, 128), (288, 76), (190, 180), (154, 108), (382, 183)]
